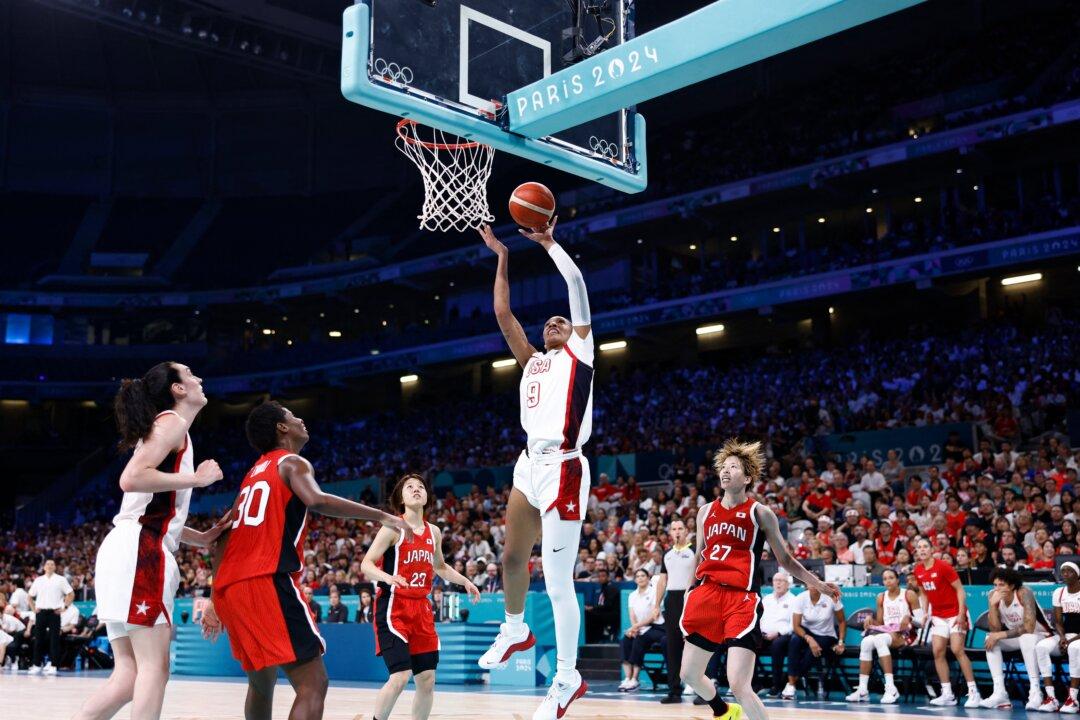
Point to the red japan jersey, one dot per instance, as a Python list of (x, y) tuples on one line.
[(413, 560), (732, 546), (937, 582), (269, 525)]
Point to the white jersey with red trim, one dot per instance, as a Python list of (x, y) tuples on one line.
[(895, 609), (165, 513), (556, 397)]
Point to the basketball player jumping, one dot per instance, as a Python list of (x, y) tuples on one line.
[(405, 634), (725, 607), (136, 571), (551, 478), (256, 591)]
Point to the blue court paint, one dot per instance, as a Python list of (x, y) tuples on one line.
[(716, 39)]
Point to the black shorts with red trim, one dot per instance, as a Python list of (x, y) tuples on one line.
[(716, 615), (267, 622), (405, 634)]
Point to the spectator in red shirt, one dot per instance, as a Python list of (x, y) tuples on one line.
[(825, 530), (603, 488), (632, 493), (916, 492), (1005, 426), (838, 492), (955, 515), (817, 504), (886, 545)]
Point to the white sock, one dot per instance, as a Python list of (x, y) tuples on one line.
[(973, 689), (570, 675), (790, 687), (1072, 692), (515, 623), (864, 684), (889, 681)]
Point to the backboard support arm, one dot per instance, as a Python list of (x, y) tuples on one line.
[(718, 38)]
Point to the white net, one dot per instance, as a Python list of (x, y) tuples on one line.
[(455, 173)]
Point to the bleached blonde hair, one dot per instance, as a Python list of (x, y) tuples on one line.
[(749, 455)]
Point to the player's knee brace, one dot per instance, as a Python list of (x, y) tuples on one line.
[(866, 648)]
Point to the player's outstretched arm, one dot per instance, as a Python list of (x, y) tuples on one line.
[(767, 522), (508, 324), (300, 477), (199, 538), (141, 473), (448, 573), (580, 317)]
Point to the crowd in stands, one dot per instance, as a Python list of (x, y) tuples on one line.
[(678, 276), (1010, 499)]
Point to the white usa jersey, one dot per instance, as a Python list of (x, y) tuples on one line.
[(162, 515), (556, 397), (895, 610)]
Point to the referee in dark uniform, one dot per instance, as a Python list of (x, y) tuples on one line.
[(676, 576)]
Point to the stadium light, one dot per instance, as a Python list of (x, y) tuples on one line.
[(710, 329), (409, 379), (821, 219), (918, 199), (1021, 279), (613, 345), (334, 333), (267, 331), (374, 351), (288, 342), (832, 310), (974, 187), (505, 362), (869, 209), (734, 238), (693, 247), (776, 229)]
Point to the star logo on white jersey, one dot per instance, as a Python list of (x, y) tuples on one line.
[(142, 608), (570, 507)]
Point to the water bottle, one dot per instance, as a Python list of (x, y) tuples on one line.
[(78, 663)]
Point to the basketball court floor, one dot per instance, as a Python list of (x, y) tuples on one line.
[(191, 698)]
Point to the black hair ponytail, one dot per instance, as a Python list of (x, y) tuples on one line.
[(140, 400)]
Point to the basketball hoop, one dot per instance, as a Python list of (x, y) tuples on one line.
[(455, 173)]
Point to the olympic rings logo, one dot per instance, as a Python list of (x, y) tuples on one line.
[(392, 72), (603, 147)]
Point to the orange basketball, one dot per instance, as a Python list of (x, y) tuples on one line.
[(532, 205)]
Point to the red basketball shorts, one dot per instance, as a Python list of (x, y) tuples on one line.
[(405, 633), (717, 614), (268, 622)]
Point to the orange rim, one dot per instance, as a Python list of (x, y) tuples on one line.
[(402, 124)]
